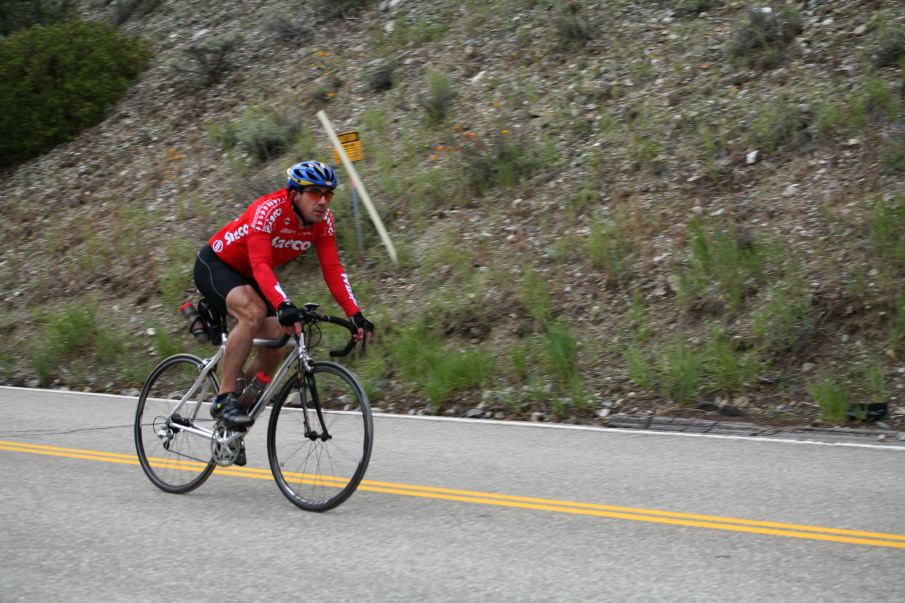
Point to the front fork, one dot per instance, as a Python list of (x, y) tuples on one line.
[(307, 378)]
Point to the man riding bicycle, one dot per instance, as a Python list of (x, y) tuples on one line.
[(235, 272)]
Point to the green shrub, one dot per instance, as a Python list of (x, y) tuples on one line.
[(833, 397), (165, 345), (501, 160), (785, 323), (210, 59), (562, 352), (263, 132), (424, 362), (828, 118), (723, 257), (126, 10), (873, 103), (779, 124), (762, 38), (380, 78), (288, 29), (873, 380), (439, 97), (574, 30), (639, 368), (692, 8), (520, 356), (887, 234), (609, 251), (889, 48), (534, 295), (681, 372), (67, 335), (406, 34), (57, 80), (730, 370), (337, 9), (897, 327), (375, 119), (20, 14)]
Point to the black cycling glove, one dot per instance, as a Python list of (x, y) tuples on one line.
[(363, 323), (287, 314)]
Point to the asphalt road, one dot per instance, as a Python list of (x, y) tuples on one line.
[(450, 511)]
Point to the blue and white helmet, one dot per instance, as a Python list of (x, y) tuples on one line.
[(311, 173)]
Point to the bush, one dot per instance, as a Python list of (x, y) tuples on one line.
[(336, 9), (504, 160), (57, 80), (785, 323), (212, 58), (439, 98), (889, 48), (19, 14), (681, 372), (833, 397), (886, 225), (780, 124), (129, 9), (692, 8), (562, 353), (574, 31), (287, 29), (610, 251), (380, 78), (263, 132), (762, 38), (729, 259), (421, 359), (730, 370)]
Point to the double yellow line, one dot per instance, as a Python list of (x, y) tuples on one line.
[(751, 526)]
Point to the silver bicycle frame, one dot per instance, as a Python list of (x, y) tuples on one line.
[(299, 354)]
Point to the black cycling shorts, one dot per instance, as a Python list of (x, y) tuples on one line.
[(215, 279)]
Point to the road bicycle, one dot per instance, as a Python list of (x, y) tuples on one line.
[(319, 429)]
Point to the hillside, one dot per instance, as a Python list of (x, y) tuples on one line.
[(664, 207)]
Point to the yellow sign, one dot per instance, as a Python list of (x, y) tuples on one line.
[(351, 145)]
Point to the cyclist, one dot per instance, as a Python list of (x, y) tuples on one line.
[(235, 272)]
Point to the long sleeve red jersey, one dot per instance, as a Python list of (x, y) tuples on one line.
[(269, 234)]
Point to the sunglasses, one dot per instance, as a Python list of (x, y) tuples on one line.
[(318, 193)]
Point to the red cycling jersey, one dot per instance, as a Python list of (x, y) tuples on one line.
[(269, 234)]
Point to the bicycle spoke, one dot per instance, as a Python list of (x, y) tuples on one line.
[(175, 459), (318, 474)]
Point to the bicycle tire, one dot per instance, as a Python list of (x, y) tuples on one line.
[(316, 474), (167, 454)]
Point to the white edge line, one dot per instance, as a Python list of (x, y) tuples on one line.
[(647, 432), (489, 422)]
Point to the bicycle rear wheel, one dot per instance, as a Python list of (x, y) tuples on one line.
[(174, 459), (320, 466)]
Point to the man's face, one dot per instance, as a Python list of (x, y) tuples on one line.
[(312, 201)]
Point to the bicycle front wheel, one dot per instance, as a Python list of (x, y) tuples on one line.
[(172, 446), (319, 437)]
